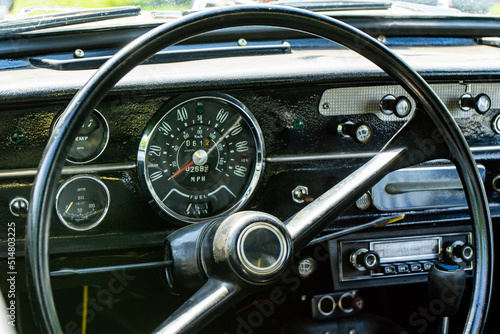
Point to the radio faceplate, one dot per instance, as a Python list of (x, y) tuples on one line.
[(403, 256)]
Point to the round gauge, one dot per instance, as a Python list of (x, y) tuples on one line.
[(201, 157), (91, 139), (82, 202)]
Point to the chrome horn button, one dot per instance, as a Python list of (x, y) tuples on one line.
[(256, 246), (262, 248)]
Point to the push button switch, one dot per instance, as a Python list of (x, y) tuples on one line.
[(415, 267), (427, 266), (387, 269), (402, 268)]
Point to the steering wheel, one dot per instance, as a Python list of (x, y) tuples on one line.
[(218, 251)]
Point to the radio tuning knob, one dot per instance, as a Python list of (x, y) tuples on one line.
[(361, 132), (460, 251), (480, 103), (400, 106), (363, 259)]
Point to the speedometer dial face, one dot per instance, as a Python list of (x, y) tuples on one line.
[(201, 157)]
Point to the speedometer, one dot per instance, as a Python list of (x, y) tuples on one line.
[(200, 157)]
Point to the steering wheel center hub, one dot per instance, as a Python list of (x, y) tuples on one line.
[(261, 248)]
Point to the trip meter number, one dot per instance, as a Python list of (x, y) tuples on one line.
[(201, 157)]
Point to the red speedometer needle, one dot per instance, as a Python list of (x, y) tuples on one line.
[(182, 169)]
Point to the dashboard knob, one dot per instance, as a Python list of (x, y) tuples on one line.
[(363, 259), (360, 132), (401, 106), (460, 251), (480, 103)]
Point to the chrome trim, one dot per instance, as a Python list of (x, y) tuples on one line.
[(321, 156), (353, 155), (70, 170), (496, 183), (422, 187), (65, 272), (495, 124), (354, 258), (320, 309), (120, 166), (481, 149), (105, 211), (20, 199), (450, 248), (240, 249), (460, 102), (344, 309), (253, 180)]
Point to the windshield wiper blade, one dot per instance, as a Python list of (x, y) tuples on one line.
[(329, 5), (76, 16)]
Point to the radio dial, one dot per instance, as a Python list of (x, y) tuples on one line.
[(460, 251), (363, 259)]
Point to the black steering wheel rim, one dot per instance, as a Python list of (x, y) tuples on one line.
[(45, 186)]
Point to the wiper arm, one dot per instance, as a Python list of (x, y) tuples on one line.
[(75, 16), (332, 5)]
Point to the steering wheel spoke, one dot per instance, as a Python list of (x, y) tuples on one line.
[(311, 220), (418, 141), (422, 138), (200, 308)]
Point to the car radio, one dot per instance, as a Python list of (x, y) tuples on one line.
[(391, 257)]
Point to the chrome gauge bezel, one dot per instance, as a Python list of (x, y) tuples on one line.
[(251, 185), (101, 147), (105, 211)]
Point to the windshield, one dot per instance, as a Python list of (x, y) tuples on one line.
[(17, 10)]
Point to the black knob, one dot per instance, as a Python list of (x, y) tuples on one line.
[(360, 132), (447, 284), (363, 259), (370, 260), (462, 251), (401, 106), (480, 103)]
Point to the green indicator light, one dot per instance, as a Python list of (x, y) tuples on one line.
[(200, 110), (17, 136), (298, 124)]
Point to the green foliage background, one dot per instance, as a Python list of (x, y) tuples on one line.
[(145, 5), (493, 5)]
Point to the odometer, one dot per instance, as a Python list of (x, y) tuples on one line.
[(201, 157)]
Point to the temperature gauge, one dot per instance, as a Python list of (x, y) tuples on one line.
[(82, 202), (91, 139)]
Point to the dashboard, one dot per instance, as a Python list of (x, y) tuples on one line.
[(177, 143)]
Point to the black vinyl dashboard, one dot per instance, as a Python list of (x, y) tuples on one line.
[(314, 112)]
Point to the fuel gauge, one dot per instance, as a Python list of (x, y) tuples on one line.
[(82, 202)]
